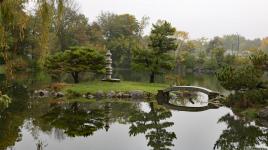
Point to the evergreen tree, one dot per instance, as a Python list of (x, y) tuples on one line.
[(156, 57)]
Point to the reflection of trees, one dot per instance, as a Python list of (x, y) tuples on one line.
[(102, 113), (10, 129), (75, 121), (12, 118), (152, 124), (240, 135)]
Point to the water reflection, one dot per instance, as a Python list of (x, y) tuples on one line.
[(154, 126), (75, 121), (40, 145), (241, 135), (13, 117), (150, 121)]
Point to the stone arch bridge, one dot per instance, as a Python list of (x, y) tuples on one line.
[(163, 95)]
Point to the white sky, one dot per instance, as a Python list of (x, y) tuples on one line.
[(201, 18)]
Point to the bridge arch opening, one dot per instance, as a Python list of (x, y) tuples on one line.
[(165, 97)]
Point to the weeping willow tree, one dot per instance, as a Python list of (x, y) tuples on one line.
[(14, 20)]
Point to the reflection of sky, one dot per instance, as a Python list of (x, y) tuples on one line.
[(198, 131), (145, 107)]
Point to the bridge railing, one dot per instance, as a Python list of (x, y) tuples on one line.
[(189, 88)]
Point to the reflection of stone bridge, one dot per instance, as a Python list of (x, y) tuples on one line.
[(163, 95), (190, 109)]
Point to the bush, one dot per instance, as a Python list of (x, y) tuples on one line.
[(247, 99), (75, 61), (240, 78), (260, 60)]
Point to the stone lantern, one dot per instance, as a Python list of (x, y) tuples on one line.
[(109, 68)]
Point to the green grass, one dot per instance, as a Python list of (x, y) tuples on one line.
[(96, 86), (2, 69)]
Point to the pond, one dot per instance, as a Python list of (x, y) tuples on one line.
[(46, 124)]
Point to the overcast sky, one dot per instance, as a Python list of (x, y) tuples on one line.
[(201, 18)]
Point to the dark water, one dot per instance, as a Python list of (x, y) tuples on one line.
[(46, 124)]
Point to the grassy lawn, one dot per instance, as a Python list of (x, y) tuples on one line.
[(96, 86), (2, 68)]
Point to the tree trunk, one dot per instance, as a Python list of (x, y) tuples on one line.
[(75, 76), (152, 77)]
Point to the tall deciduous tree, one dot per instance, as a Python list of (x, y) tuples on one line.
[(72, 29), (215, 43), (156, 58), (14, 20), (121, 34)]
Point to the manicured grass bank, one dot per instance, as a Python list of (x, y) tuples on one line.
[(96, 86)]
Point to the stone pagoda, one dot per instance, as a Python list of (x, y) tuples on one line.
[(109, 68)]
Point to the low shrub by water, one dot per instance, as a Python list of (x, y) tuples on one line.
[(248, 99)]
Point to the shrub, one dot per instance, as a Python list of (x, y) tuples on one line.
[(247, 99), (75, 61), (240, 78)]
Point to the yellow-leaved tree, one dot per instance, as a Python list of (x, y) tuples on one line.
[(14, 19)]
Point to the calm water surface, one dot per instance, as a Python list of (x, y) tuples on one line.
[(125, 126)]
